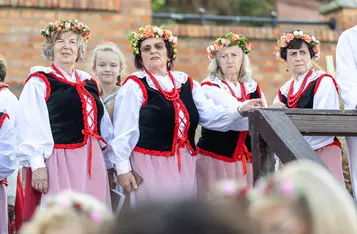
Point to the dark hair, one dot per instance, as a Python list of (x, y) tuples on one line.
[(2, 70), (118, 83), (296, 44), (189, 217), (170, 54)]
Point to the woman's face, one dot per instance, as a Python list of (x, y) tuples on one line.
[(154, 54), (65, 48), (281, 219), (107, 67), (230, 60), (298, 60)]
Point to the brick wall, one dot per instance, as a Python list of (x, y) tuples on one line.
[(20, 42)]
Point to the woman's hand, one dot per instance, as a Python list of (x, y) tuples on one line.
[(278, 105), (40, 180), (127, 181), (251, 104)]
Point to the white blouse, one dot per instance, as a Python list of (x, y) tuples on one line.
[(346, 67), (33, 124), (8, 163), (128, 104), (326, 97), (222, 95)]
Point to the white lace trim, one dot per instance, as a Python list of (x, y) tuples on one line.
[(179, 78), (82, 75), (250, 85), (314, 76)]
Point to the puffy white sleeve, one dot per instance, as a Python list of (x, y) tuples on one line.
[(33, 124), (106, 127), (126, 125), (8, 162), (221, 97), (346, 69), (212, 116)]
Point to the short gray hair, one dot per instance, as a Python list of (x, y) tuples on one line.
[(245, 70), (47, 46)]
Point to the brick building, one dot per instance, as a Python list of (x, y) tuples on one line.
[(111, 20)]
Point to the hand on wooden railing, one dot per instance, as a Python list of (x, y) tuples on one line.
[(278, 105), (251, 104)]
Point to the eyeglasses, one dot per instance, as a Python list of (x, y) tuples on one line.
[(147, 48)]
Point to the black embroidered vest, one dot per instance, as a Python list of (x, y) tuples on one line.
[(158, 123), (222, 145), (66, 111)]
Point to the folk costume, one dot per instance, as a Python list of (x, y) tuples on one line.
[(63, 126), (226, 155), (154, 128), (9, 103), (314, 90), (8, 164)]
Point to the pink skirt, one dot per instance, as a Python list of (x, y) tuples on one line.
[(210, 170), (68, 170), (332, 157), (4, 225), (161, 178)]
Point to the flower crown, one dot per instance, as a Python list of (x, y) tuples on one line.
[(282, 188), (231, 39), (286, 38), (62, 24), (233, 189), (70, 200), (150, 31)]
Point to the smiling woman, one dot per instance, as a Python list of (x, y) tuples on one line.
[(156, 115), (62, 122)]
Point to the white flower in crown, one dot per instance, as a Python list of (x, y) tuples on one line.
[(301, 33), (160, 32), (156, 29), (67, 25), (174, 40), (296, 33), (313, 38)]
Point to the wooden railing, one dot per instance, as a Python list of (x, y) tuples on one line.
[(281, 131)]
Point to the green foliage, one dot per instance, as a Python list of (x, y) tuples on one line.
[(157, 4)]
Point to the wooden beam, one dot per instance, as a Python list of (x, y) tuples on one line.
[(322, 122), (283, 138)]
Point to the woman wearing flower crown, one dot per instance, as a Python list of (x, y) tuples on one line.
[(70, 212), (309, 89), (8, 164), (62, 120), (303, 198), (156, 115), (227, 155)]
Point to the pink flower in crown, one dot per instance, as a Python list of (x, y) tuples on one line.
[(86, 36), (210, 56), (96, 216), (148, 32), (57, 23), (80, 26), (307, 38), (248, 46), (216, 47), (289, 37), (225, 42), (59, 28), (235, 37), (288, 188)]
